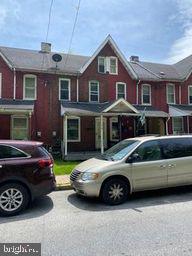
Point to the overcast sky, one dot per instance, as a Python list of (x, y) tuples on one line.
[(156, 30)]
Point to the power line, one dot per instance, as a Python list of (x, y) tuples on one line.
[(73, 30)]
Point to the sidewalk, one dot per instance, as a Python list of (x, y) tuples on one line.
[(63, 182)]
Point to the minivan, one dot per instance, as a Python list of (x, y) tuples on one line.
[(136, 164)]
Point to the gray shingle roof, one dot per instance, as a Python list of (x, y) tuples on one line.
[(36, 60), (8, 104)]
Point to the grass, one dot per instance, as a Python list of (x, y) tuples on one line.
[(64, 167)]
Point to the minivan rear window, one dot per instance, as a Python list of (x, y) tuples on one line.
[(176, 148)]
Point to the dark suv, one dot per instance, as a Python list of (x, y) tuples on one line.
[(26, 172)]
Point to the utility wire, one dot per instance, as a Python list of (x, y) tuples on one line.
[(47, 33), (73, 30)]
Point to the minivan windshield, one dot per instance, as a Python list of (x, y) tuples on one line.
[(120, 150)]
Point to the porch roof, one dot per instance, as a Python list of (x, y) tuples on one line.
[(16, 106), (180, 110), (118, 107)]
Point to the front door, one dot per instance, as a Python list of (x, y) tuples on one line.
[(19, 128), (98, 132), (149, 170)]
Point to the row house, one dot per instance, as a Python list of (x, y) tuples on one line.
[(90, 103)]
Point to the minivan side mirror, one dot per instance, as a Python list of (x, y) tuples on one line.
[(132, 158)]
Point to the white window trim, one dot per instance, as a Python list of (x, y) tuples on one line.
[(173, 124), (101, 57), (167, 93), (29, 76), (93, 81), (190, 86), (147, 104), (125, 90), (116, 60), (79, 128), (17, 116), (0, 85), (113, 120), (69, 88)]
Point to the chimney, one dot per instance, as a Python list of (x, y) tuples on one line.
[(134, 58), (45, 47)]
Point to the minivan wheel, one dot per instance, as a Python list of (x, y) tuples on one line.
[(13, 199), (115, 191)]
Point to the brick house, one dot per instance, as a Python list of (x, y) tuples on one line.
[(90, 103)]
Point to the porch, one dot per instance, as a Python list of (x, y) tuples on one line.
[(90, 128)]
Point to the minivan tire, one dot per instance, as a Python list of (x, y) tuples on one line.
[(14, 198), (115, 191)]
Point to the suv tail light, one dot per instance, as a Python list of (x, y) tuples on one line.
[(45, 163)]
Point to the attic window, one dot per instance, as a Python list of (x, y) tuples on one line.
[(108, 65)]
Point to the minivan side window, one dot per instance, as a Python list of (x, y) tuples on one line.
[(10, 152), (148, 151), (176, 148)]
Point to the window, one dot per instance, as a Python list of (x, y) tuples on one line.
[(64, 89), (170, 93), (19, 128), (0, 85), (108, 64), (114, 129), (190, 94), (177, 125), (120, 90), (10, 152), (94, 91), (146, 94), (176, 148), (113, 65), (30, 84), (73, 129), (148, 151), (101, 65)]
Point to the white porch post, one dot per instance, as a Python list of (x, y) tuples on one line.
[(65, 135), (188, 124), (102, 144)]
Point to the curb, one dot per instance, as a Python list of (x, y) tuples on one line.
[(63, 187)]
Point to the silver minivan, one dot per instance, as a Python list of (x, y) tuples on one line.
[(136, 164)]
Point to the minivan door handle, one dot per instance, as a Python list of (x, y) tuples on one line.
[(162, 166), (171, 165)]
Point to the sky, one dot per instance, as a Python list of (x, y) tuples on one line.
[(155, 30)]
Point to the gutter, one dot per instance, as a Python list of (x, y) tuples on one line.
[(14, 83), (137, 92)]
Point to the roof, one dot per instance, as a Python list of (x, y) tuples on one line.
[(177, 110), (10, 105), (87, 108), (31, 60), (39, 61)]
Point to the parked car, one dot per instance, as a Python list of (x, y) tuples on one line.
[(26, 172), (137, 164)]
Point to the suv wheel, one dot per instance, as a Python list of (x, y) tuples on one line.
[(115, 191), (13, 199)]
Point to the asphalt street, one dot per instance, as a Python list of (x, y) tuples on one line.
[(150, 223)]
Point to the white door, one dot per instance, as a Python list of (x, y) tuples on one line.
[(98, 132)]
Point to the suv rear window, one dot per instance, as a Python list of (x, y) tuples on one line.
[(176, 148), (10, 152)]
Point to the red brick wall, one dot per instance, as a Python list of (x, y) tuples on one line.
[(7, 80), (5, 122)]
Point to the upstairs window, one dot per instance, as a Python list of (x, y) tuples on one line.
[(113, 65), (94, 91), (64, 89), (29, 88), (120, 90), (108, 65), (101, 65), (146, 94), (170, 93), (190, 94)]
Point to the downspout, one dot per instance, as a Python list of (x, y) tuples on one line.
[(14, 83), (77, 88), (137, 92), (179, 93)]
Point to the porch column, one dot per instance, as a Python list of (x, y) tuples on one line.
[(65, 135), (188, 124), (29, 126), (102, 146)]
